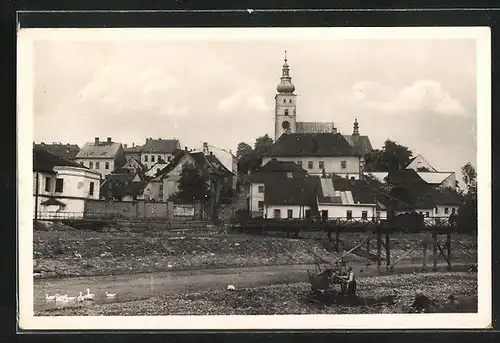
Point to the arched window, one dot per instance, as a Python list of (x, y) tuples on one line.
[(290, 100), (284, 101), (286, 112)]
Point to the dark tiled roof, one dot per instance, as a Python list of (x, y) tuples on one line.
[(45, 161), (216, 163), (312, 144), (361, 144), (281, 166), (67, 151), (295, 191), (426, 196), (120, 184), (404, 177), (178, 155), (160, 145), (204, 163)]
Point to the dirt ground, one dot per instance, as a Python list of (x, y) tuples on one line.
[(289, 299), (66, 252)]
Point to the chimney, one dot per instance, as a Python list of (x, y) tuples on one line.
[(96, 140), (211, 153), (124, 146), (186, 148), (205, 148), (109, 140), (133, 145), (42, 143)]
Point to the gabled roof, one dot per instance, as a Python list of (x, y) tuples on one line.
[(67, 151), (418, 196), (178, 156), (44, 161), (130, 162), (216, 163), (121, 184), (404, 177), (430, 167), (283, 191), (166, 146), (203, 162), (99, 150), (312, 144), (281, 166), (361, 144), (434, 178)]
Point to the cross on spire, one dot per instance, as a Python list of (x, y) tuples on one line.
[(285, 55)]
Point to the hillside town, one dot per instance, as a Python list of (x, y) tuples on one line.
[(311, 170), (161, 207)]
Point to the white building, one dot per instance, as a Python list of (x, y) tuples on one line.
[(158, 150), (103, 157), (61, 186)]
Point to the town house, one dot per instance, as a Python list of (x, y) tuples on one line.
[(67, 151), (318, 154), (61, 186), (103, 157), (158, 150)]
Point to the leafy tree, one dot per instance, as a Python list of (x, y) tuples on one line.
[(469, 176), (263, 145), (468, 210), (243, 150), (193, 185), (392, 156)]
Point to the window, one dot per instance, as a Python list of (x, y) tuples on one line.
[(289, 175), (106, 165), (261, 205), (277, 213), (453, 210), (308, 214), (284, 101), (97, 165), (286, 112), (321, 165), (364, 215), (169, 158), (145, 158), (310, 164), (91, 192), (427, 214), (343, 164), (299, 163), (91, 165), (59, 185), (290, 214), (446, 210), (290, 101), (158, 170), (353, 178), (47, 184), (261, 189), (349, 214), (152, 158)]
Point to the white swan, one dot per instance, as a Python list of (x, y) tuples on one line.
[(50, 297), (80, 297), (61, 298), (89, 296), (110, 295), (70, 298), (231, 288)]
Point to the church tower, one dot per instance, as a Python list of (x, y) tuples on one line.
[(285, 104)]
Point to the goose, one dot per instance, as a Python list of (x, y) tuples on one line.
[(80, 297), (110, 295), (50, 297), (61, 297), (89, 296), (231, 288)]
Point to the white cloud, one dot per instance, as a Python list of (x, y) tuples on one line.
[(422, 95), (243, 99)]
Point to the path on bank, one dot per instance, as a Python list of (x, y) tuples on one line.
[(138, 286)]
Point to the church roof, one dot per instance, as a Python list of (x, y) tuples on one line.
[(312, 144), (315, 127), (361, 143)]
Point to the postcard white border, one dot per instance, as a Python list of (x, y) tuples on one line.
[(27, 321)]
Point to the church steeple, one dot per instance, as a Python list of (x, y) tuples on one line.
[(356, 127), (285, 86)]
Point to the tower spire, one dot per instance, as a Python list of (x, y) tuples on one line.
[(285, 86), (356, 127)]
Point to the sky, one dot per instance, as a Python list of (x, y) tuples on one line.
[(420, 93)]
